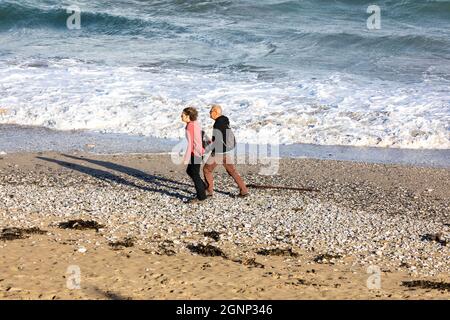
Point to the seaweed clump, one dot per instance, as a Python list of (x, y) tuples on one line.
[(125, 243), (425, 284), (206, 250), (212, 234), (326, 258), (277, 252), (9, 234), (81, 225)]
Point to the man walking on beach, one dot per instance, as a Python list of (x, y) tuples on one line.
[(223, 143)]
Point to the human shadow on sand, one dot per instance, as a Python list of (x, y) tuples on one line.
[(138, 174), (108, 176)]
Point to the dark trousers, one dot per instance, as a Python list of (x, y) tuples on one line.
[(193, 171)]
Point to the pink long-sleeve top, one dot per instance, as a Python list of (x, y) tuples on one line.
[(194, 139)]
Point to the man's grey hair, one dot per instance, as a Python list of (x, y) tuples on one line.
[(217, 108)]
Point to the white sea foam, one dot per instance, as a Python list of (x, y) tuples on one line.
[(68, 94)]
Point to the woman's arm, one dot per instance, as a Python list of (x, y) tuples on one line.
[(190, 143)]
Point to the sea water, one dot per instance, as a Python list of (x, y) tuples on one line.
[(286, 72)]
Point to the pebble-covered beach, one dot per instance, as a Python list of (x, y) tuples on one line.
[(396, 218)]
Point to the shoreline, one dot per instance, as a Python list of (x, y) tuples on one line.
[(20, 139), (364, 215)]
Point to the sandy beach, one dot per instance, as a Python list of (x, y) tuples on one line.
[(372, 231)]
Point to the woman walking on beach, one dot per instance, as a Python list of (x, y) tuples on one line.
[(194, 152)]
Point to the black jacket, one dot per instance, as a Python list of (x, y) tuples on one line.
[(223, 139)]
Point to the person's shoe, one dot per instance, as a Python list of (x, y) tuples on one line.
[(243, 195), (209, 195), (194, 201)]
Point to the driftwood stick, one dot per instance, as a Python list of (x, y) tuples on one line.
[(257, 186)]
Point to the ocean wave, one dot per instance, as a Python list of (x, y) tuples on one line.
[(21, 14), (338, 110), (218, 36), (438, 8), (200, 6), (17, 16), (404, 8), (386, 44)]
